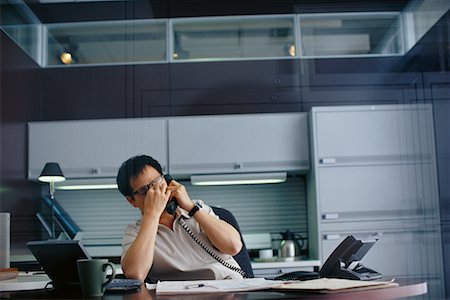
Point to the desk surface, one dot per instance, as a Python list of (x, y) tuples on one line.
[(406, 289)]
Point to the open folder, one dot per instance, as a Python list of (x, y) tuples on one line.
[(322, 285)]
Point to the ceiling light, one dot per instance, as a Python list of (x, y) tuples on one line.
[(66, 58), (291, 50), (234, 179)]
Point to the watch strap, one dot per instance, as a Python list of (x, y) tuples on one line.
[(195, 209)]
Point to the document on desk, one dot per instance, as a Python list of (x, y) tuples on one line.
[(333, 285), (214, 286)]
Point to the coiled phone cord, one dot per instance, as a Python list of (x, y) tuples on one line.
[(211, 252)]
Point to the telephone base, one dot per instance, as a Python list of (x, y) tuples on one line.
[(361, 274)]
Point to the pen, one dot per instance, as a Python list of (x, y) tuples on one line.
[(193, 286)]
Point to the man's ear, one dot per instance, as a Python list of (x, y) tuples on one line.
[(131, 200)]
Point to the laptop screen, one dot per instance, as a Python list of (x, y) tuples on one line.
[(59, 260)]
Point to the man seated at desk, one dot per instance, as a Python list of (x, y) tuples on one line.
[(156, 247)]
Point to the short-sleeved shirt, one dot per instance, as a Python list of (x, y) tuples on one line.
[(177, 256)]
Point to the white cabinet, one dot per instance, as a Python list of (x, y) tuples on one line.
[(239, 143), (373, 134), (94, 148), (192, 145), (374, 172)]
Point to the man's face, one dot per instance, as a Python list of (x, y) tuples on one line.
[(148, 175)]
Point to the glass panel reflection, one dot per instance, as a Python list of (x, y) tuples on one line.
[(233, 37), (107, 42), (22, 26), (362, 34)]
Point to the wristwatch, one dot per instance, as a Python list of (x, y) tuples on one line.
[(194, 209)]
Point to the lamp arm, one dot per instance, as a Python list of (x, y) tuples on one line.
[(52, 199)]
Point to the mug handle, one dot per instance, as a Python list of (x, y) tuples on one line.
[(113, 268)]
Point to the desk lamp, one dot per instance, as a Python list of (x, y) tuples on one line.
[(52, 173)]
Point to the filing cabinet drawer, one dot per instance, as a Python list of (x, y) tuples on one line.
[(377, 191)]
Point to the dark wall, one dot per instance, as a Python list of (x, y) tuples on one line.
[(20, 100), (144, 9), (223, 87)]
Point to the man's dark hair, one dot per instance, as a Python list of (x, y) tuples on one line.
[(131, 168)]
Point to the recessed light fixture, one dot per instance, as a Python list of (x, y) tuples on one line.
[(234, 179), (88, 184), (66, 58)]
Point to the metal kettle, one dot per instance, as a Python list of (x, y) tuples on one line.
[(291, 244)]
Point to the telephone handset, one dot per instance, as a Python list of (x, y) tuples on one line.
[(172, 204)]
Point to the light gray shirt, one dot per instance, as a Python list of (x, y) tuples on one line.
[(177, 256)]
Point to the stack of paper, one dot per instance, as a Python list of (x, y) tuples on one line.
[(333, 285), (214, 286)]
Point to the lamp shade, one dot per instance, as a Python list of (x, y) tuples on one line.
[(51, 173)]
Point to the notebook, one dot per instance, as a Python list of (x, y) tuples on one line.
[(59, 258)]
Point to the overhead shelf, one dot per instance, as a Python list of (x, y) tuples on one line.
[(219, 38)]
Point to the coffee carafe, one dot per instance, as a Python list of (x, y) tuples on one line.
[(291, 244)]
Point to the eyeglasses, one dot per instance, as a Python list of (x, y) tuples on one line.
[(144, 189)]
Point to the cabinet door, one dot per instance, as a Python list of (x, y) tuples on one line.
[(373, 192), (238, 143), (89, 149), (373, 133)]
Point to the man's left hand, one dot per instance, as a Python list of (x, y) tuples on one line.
[(179, 192)]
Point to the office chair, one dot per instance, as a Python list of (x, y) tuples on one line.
[(242, 258)]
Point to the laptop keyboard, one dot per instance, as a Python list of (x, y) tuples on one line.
[(119, 283)]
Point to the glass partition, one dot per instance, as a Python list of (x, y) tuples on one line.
[(243, 37), (419, 16), (110, 42), (350, 34), (22, 26), (358, 34)]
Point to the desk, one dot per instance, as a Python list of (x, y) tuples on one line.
[(404, 290)]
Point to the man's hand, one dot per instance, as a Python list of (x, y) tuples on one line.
[(156, 199), (179, 192)]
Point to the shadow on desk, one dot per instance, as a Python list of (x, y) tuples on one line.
[(406, 289)]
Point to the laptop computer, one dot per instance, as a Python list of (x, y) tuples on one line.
[(59, 258)]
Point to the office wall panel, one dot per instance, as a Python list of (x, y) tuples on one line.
[(87, 93), (20, 99)]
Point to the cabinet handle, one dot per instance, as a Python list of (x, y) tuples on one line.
[(96, 171), (239, 166), (331, 236), (327, 160), (330, 216)]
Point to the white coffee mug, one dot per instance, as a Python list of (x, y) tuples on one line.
[(265, 253)]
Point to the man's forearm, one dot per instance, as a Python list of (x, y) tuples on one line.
[(221, 234), (139, 257)]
